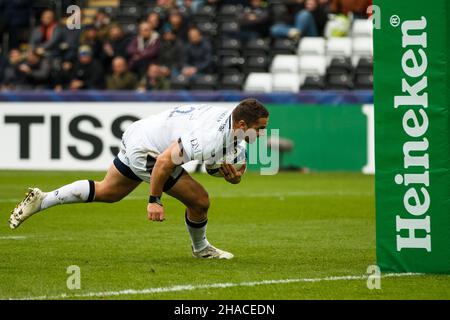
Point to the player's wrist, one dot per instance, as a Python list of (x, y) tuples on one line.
[(155, 199)]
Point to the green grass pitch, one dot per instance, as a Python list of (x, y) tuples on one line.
[(289, 226)]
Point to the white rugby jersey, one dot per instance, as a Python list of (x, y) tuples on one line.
[(202, 131)]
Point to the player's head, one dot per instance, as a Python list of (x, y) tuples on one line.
[(250, 116)]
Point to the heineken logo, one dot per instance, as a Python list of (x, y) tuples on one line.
[(413, 224)]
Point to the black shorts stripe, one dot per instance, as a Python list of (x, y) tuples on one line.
[(171, 181), (125, 170), (91, 191)]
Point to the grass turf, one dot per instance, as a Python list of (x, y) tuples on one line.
[(288, 226)]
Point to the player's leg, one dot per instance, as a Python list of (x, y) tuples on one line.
[(114, 186), (196, 199)]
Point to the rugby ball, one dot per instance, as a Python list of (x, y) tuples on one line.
[(237, 159)]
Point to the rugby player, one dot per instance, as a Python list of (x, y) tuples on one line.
[(153, 150)]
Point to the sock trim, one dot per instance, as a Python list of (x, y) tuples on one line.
[(91, 191), (196, 225)]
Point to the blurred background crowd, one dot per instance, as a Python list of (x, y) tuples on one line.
[(159, 44)]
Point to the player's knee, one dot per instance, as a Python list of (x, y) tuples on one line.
[(202, 203)]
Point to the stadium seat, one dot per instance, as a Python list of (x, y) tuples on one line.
[(312, 46), (364, 65), (230, 63), (129, 11), (130, 28), (227, 46), (232, 82), (258, 82), (257, 47), (146, 9), (205, 13), (131, 2), (362, 47), (340, 82), (277, 9), (286, 82), (313, 83), (257, 63), (340, 65), (229, 12), (312, 65), (208, 28), (205, 82), (229, 27), (364, 81), (230, 44), (111, 11), (283, 63), (339, 47), (362, 28), (179, 82), (284, 46)]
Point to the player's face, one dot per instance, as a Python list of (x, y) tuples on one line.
[(259, 127)]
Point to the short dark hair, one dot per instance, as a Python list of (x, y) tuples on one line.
[(249, 110)]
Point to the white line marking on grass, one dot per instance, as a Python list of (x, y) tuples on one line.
[(11, 200), (277, 194), (256, 195), (12, 237), (179, 288)]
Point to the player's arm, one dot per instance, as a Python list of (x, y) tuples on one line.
[(165, 163)]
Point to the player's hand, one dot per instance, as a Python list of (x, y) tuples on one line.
[(230, 174), (155, 212)]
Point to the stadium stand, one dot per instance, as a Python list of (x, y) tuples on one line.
[(235, 50)]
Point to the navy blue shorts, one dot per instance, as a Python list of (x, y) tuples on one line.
[(127, 172)]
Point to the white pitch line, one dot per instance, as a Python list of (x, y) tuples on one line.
[(277, 194), (255, 195), (10, 200), (179, 288), (12, 237)]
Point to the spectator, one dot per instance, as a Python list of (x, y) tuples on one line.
[(121, 78), (3, 64), (155, 21), (254, 21), (88, 72), (144, 48), (164, 7), (46, 37), (10, 72), (188, 7), (176, 24), (115, 45), (299, 20), (155, 79), (102, 22), (69, 42), (197, 56), (15, 21), (63, 75), (357, 7), (171, 46), (33, 73), (89, 37), (319, 10)]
